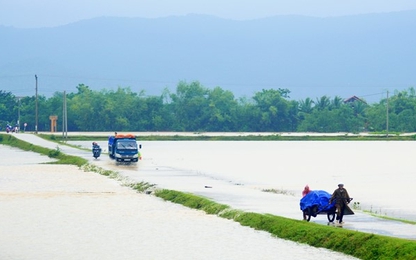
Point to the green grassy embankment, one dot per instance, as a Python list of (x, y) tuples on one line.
[(60, 157), (354, 243)]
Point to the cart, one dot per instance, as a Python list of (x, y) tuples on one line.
[(317, 203)]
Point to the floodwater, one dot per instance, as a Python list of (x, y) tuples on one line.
[(379, 175), (61, 212)]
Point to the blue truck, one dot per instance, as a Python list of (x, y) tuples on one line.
[(123, 148)]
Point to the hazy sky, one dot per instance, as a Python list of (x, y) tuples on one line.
[(41, 13)]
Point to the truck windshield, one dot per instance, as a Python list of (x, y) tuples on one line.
[(126, 144)]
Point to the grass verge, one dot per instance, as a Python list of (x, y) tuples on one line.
[(60, 157), (354, 243), (390, 218)]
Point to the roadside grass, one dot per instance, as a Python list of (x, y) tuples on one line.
[(357, 206), (60, 157), (58, 140), (143, 187), (354, 243), (192, 201), (93, 168), (389, 218), (279, 191)]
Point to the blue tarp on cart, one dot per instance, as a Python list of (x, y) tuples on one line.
[(318, 198)]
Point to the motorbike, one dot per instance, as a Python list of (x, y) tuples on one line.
[(9, 129), (96, 151)]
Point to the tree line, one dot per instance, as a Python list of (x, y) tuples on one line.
[(195, 108)]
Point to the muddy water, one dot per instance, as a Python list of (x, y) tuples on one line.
[(61, 212), (378, 175)]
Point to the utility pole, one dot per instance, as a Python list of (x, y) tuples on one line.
[(387, 115), (18, 113), (36, 115), (64, 118)]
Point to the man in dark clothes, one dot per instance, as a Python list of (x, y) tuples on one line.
[(341, 198)]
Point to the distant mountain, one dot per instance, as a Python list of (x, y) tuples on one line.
[(360, 55)]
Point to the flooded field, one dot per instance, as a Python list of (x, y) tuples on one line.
[(238, 171), (379, 175), (61, 212)]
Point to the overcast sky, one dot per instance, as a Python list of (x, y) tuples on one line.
[(47, 13)]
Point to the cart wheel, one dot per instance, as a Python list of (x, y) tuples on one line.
[(307, 214), (331, 216)]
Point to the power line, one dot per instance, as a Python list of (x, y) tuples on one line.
[(255, 84)]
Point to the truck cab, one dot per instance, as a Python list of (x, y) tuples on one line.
[(123, 148)]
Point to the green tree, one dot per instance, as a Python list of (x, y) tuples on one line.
[(157, 118), (195, 108), (8, 109), (222, 110), (376, 116), (190, 105), (274, 110), (336, 103), (406, 121), (322, 103), (247, 116), (305, 107), (82, 110)]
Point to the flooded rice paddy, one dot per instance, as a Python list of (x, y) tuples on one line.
[(60, 212)]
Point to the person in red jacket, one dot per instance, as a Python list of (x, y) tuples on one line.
[(305, 191)]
